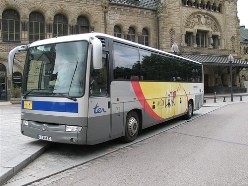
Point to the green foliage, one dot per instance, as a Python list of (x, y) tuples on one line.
[(15, 91)]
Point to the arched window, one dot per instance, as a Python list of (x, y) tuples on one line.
[(60, 25), (83, 25), (131, 34), (36, 26), (117, 31), (144, 38), (2, 68), (10, 26)]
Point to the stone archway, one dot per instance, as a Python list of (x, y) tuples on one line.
[(202, 30), (3, 82)]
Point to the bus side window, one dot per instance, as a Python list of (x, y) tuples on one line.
[(98, 79)]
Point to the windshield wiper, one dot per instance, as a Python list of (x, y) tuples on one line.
[(71, 98), (30, 91), (66, 96), (27, 93), (60, 94)]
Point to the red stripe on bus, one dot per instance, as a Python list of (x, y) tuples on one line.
[(141, 97)]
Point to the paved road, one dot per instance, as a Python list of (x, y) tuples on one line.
[(210, 150), (17, 151)]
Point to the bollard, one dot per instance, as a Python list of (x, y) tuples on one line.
[(240, 98), (224, 100), (214, 97)]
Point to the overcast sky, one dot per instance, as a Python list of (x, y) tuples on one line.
[(243, 12)]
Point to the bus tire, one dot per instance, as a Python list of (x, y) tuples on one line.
[(189, 113), (132, 127)]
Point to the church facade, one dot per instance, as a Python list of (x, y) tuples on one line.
[(204, 30)]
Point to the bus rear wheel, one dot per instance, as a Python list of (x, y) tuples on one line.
[(132, 127), (189, 113)]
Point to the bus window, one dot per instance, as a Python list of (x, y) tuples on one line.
[(126, 62), (98, 79)]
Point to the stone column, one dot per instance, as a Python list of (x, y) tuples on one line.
[(49, 29), (183, 40), (24, 31), (218, 42), (137, 37), (125, 32)]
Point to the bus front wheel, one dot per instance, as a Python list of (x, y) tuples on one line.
[(132, 127)]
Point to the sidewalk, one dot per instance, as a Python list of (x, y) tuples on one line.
[(17, 151)]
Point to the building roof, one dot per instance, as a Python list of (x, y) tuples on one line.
[(149, 4), (243, 35), (215, 60)]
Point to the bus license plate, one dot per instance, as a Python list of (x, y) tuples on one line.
[(46, 138), (28, 105)]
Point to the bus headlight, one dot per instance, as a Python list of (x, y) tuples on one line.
[(73, 129), (25, 123)]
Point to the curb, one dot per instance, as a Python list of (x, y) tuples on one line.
[(18, 164), (4, 103)]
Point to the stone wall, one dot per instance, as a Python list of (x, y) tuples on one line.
[(176, 19), (166, 24)]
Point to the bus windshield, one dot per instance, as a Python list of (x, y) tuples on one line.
[(56, 69)]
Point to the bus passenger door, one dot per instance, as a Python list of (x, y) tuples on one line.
[(99, 105), (98, 120)]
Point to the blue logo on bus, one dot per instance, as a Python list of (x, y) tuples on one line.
[(98, 110)]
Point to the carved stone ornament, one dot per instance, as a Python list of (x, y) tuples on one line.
[(105, 5), (202, 20)]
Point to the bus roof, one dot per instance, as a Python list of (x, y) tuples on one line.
[(86, 36)]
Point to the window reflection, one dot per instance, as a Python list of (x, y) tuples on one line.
[(131, 64), (57, 68)]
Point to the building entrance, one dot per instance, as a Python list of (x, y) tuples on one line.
[(3, 84)]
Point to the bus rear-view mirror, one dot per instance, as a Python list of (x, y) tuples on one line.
[(97, 52)]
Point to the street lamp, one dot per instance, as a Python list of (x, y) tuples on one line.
[(231, 59), (174, 48)]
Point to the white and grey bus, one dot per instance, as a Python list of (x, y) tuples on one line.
[(91, 88)]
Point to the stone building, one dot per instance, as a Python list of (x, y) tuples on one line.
[(244, 52), (244, 42), (206, 30)]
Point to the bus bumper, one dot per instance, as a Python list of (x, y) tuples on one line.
[(53, 133)]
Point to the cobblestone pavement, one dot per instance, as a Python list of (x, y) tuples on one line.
[(17, 151)]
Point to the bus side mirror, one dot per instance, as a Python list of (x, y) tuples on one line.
[(12, 55), (97, 52)]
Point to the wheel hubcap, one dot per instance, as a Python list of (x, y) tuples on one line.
[(132, 126)]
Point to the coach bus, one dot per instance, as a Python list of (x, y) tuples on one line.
[(91, 88)]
